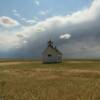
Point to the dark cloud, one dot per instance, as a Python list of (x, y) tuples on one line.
[(83, 26)]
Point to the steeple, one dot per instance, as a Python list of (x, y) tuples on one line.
[(50, 43)]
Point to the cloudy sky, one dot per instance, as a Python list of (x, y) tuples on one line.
[(27, 25)]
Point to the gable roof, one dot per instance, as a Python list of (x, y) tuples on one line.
[(50, 50)]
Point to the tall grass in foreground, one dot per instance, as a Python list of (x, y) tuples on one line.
[(36, 81)]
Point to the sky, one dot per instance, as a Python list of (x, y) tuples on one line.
[(27, 25)]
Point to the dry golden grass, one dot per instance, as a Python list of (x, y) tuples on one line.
[(32, 80)]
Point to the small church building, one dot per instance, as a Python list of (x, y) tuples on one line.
[(51, 54)]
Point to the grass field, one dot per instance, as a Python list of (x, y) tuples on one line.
[(32, 80)]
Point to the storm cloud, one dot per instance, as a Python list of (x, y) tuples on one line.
[(83, 27)]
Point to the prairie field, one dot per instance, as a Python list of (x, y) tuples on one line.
[(32, 80)]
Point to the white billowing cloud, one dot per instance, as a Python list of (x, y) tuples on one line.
[(54, 27), (59, 22), (8, 41), (82, 25), (8, 22), (65, 36)]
